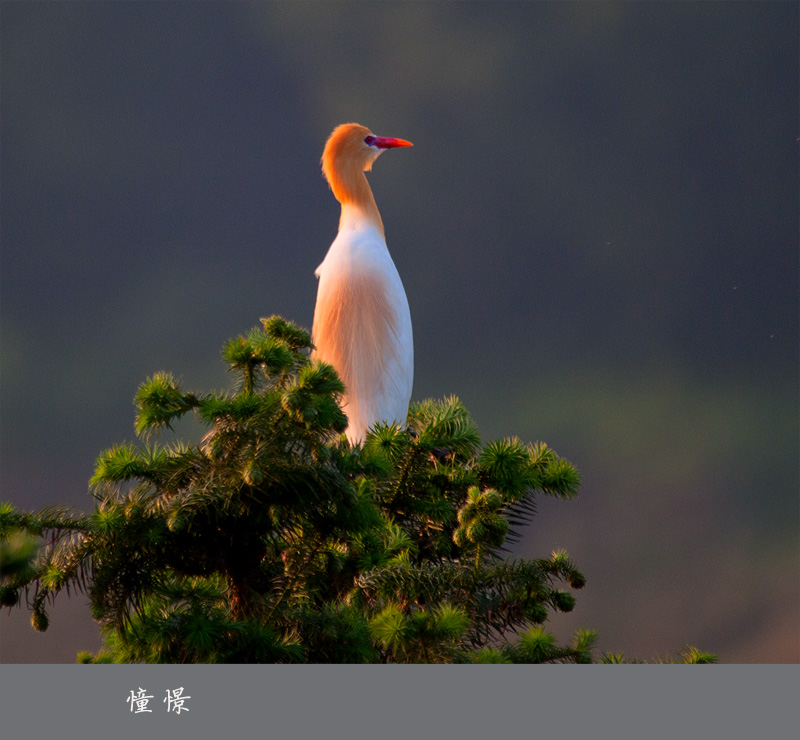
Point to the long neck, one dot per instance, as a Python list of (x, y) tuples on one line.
[(351, 189)]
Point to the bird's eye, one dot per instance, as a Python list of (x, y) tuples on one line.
[(368, 140)]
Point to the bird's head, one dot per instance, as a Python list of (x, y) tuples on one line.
[(353, 148)]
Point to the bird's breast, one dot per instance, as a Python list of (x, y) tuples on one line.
[(357, 249)]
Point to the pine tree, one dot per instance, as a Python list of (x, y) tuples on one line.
[(272, 540)]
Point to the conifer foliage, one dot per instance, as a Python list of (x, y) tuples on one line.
[(272, 540)]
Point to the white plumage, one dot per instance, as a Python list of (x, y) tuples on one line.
[(362, 324)]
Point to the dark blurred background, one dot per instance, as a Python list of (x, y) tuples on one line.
[(597, 229)]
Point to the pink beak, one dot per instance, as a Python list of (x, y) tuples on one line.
[(385, 142)]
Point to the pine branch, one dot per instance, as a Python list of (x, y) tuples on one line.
[(271, 539)]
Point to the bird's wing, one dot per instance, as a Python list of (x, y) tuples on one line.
[(355, 330)]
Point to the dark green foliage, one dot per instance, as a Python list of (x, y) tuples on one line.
[(271, 540)]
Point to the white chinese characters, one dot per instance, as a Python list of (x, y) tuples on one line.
[(174, 701)]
